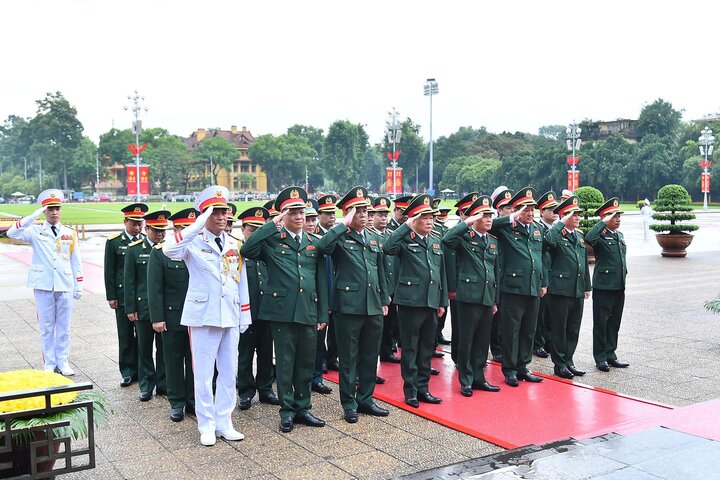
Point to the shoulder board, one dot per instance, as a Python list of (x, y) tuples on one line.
[(112, 237), (136, 242), (314, 236), (158, 246), (435, 234), (372, 230), (233, 236), (389, 230), (491, 235)]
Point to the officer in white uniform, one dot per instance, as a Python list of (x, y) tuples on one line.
[(216, 310), (55, 275)]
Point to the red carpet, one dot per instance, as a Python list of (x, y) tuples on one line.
[(93, 275), (514, 417)]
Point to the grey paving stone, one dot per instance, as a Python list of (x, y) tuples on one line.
[(698, 461), (647, 445)]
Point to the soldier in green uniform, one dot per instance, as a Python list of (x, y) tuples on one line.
[(477, 293), (231, 211), (420, 296), (608, 284), (568, 286), (522, 284), (258, 337), (311, 215), (151, 373), (357, 309), (501, 197), (270, 207), (166, 290), (115, 251), (294, 301), (541, 344), (440, 218)]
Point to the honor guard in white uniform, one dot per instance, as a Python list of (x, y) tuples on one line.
[(55, 276), (216, 310)]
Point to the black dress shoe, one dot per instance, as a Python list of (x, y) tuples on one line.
[(145, 396), (379, 380), (541, 352), (512, 380), (309, 419), (529, 377), (466, 391), (485, 387), (190, 410), (391, 359), (321, 388), (443, 341), (413, 402), (437, 354), (333, 366), (177, 414), (428, 397), (126, 382), (563, 372), (603, 366), (351, 415), (497, 358), (434, 371), (618, 364), (270, 399), (575, 371), (324, 367), (244, 403), (372, 409), (286, 424)]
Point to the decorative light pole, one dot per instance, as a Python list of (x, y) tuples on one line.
[(393, 130), (430, 89), (137, 129), (573, 140), (706, 141)]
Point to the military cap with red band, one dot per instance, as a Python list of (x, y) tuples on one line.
[(502, 199), (547, 200), (570, 204), (257, 216), (158, 219), (291, 197), (270, 207), (466, 201), (418, 205), (356, 197), (482, 204), (232, 210), (524, 196), (212, 196), (403, 202), (611, 206), (135, 211), (185, 217), (381, 204), (51, 197), (326, 203)]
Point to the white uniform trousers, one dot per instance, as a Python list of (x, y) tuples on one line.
[(53, 312), (208, 346)]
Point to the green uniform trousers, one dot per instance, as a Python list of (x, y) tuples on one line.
[(543, 330), (474, 323), (178, 368), (127, 345), (495, 343), (358, 340), (607, 313), (417, 336), (294, 364), (566, 314), (257, 338), (519, 317), (454, 332), (151, 372)]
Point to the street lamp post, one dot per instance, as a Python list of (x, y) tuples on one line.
[(393, 130), (706, 141), (137, 128), (25, 160), (430, 89), (573, 140)]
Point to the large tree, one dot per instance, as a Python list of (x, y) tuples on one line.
[(218, 152), (284, 158), (659, 118), (345, 145)]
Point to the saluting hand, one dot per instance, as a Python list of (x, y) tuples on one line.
[(411, 221), (278, 220), (608, 217), (347, 220), (473, 218), (566, 218)]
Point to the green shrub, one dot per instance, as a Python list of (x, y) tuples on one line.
[(589, 199), (675, 200)]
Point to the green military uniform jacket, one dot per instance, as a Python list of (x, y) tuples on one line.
[(522, 257), (610, 264), (360, 282), (257, 277), (115, 250), (569, 274), (296, 289), (389, 260), (421, 269), (136, 293), (451, 260), (478, 265), (167, 286)]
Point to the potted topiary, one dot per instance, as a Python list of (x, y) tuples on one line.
[(589, 199), (674, 200)]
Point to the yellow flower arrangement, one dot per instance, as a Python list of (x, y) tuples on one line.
[(17, 380)]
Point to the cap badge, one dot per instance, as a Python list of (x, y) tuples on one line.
[(359, 193), (308, 204), (294, 194), (383, 202), (137, 209), (486, 202), (550, 197), (161, 217), (259, 213), (528, 193), (474, 197), (191, 215), (426, 201), (218, 194), (575, 201), (52, 195), (616, 203), (508, 194)]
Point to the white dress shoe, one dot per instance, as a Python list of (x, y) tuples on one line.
[(208, 439), (230, 434), (66, 370)]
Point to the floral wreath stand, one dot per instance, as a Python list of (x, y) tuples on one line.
[(36, 457)]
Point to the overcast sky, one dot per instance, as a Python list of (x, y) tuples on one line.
[(504, 65)]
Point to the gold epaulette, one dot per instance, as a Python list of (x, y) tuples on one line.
[(159, 245), (314, 236), (233, 236), (491, 235), (135, 242), (112, 237), (435, 234), (372, 230)]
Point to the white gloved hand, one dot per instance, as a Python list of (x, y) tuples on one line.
[(243, 328), (39, 211), (77, 295)]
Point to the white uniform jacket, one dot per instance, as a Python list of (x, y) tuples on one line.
[(56, 265), (217, 293)]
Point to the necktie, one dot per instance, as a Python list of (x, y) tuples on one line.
[(483, 240), (54, 230), (297, 240), (219, 243)]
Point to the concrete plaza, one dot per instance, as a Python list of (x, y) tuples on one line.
[(672, 343)]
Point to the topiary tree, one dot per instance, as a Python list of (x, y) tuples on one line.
[(589, 199), (673, 199)]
